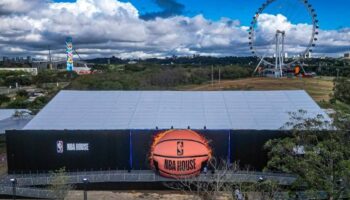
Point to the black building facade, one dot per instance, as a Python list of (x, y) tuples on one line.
[(31, 151)]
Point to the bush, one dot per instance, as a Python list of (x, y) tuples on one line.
[(135, 68), (39, 103), (22, 93), (20, 80), (199, 76), (98, 82), (50, 76), (59, 184), (4, 99), (19, 103)]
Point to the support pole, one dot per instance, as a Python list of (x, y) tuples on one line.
[(282, 57), (14, 182), (212, 76), (85, 181), (276, 55), (256, 68), (279, 53), (219, 75)]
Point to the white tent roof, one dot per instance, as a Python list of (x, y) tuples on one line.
[(106, 110)]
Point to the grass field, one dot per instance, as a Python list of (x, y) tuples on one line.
[(319, 88)]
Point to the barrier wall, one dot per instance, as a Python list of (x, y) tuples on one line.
[(42, 151)]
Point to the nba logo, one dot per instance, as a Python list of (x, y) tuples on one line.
[(59, 146), (180, 148)]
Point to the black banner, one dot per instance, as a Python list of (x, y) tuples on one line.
[(42, 151), (79, 150)]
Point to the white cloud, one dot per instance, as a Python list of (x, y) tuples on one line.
[(19, 6), (297, 36), (111, 27)]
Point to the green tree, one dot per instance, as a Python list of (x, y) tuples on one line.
[(317, 152), (4, 99), (341, 90), (22, 93), (99, 67), (60, 183), (38, 104), (19, 102), (20, 80)]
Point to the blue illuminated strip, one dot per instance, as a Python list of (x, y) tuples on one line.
[(130, 149), (229, 147)]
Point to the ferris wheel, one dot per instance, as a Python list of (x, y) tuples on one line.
[(282, 32)]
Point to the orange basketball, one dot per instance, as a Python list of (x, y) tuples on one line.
[(179, 153)]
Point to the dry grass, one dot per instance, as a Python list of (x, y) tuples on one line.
[(319, 88)]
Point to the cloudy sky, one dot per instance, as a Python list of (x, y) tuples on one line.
[(159, 28)]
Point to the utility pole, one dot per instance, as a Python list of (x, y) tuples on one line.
[(212, 76), (338, 70), (50, 59), (219, 75)]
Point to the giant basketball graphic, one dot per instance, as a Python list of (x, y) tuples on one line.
[(179, 153)]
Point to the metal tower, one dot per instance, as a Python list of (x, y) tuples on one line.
[(279, 63), (261, 48)]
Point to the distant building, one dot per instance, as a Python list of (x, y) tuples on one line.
[(29, 59), (347, 56), (82, 70), (131, 62)]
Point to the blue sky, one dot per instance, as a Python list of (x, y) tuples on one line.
[(160, 28), (333, 14)]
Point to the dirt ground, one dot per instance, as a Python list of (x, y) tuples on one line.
[(148, 195), (319, 88)]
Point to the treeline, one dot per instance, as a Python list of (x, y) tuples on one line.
[(332, 70), (134, 77), (193, 60), (20, 78), (10, 78), (209, 60)]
